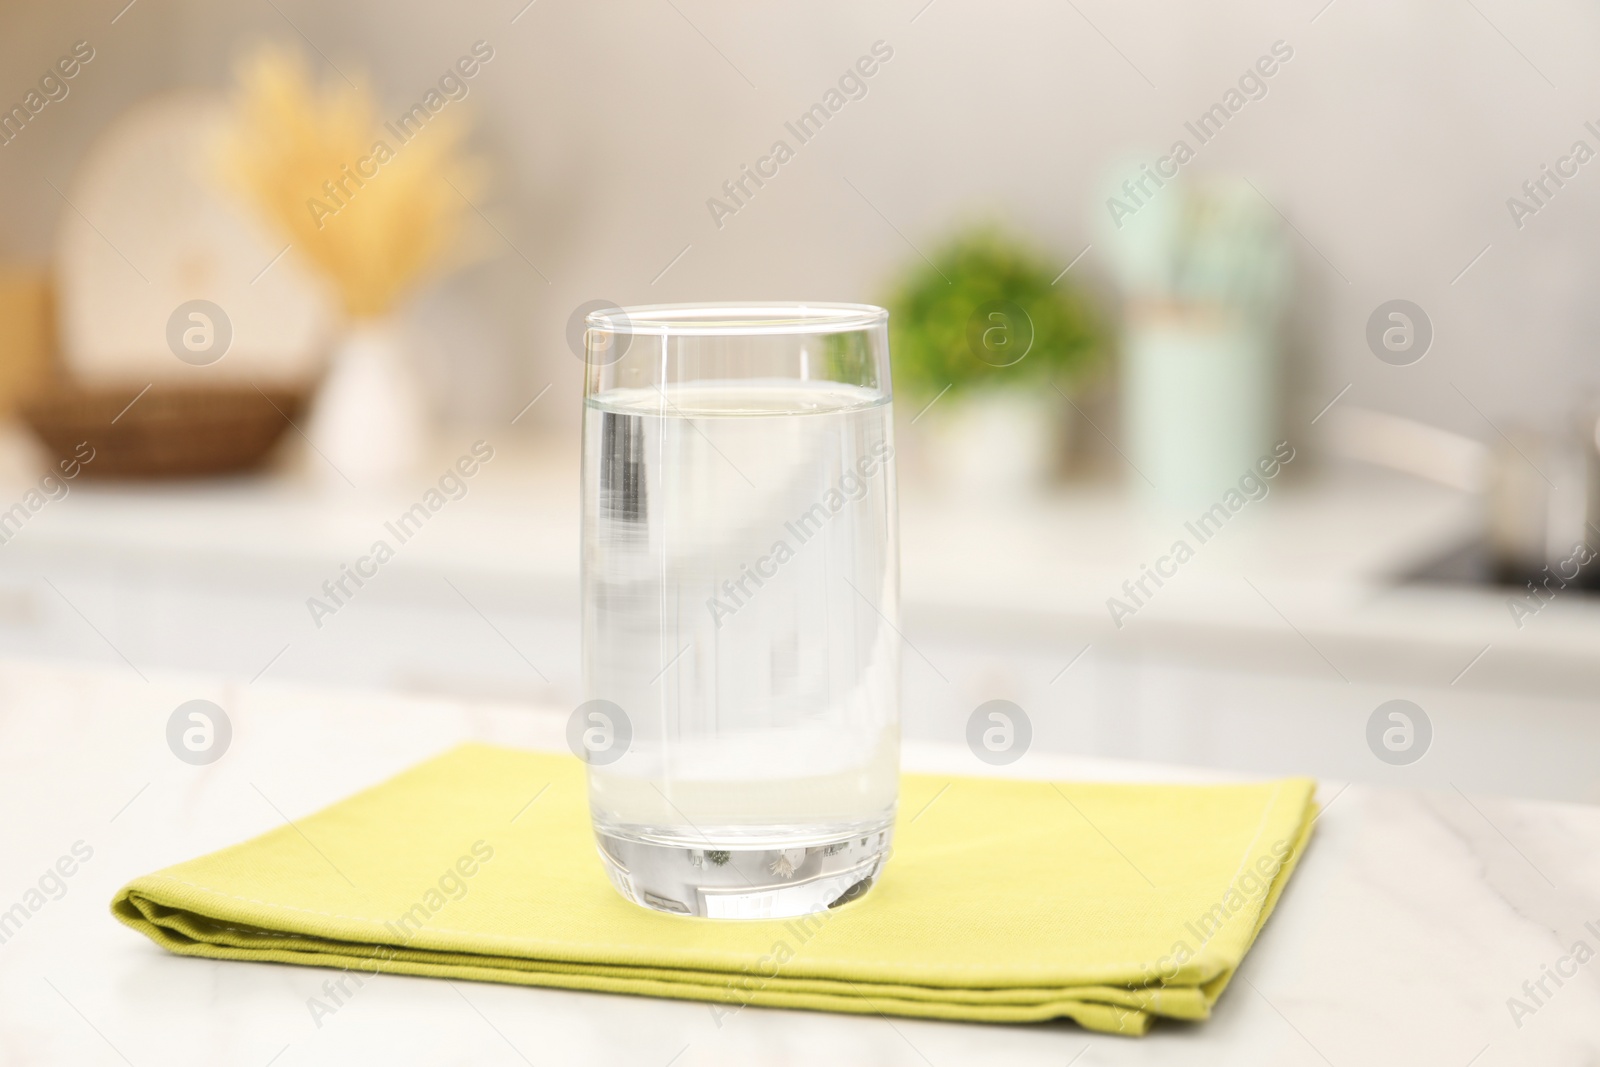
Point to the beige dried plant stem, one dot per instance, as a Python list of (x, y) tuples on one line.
[(376, 215)]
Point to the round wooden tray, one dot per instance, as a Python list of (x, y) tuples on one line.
[(168, 432)]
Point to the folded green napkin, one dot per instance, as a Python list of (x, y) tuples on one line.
[(1004, 901)]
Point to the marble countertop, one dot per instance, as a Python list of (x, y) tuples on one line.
[(1414, 919)]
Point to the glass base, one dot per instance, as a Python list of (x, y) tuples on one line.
[(741, 882)]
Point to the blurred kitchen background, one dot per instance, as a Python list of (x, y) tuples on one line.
[(1370, 272)]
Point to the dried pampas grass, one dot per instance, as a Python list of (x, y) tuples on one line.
[(377, 208)]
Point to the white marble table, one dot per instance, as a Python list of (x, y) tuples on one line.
[(1412, 920)]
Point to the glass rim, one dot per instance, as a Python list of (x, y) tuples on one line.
[(736, 319)]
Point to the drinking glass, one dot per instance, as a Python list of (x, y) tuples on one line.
[(741, 656)]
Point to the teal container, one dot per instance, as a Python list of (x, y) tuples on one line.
[(1199, 395)]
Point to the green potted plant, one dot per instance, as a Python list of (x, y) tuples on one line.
[(986, 339)]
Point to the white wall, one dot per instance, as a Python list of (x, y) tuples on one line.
[(1391, 141)]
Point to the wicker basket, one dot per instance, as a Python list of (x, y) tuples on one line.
[(168, 431)]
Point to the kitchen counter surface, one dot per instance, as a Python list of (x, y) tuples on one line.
[(1265, 653), (1414, 918), (1316, 563)]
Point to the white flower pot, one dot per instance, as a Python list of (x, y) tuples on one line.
[(996, 444)]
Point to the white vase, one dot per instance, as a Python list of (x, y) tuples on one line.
[(996, 444), (369, 422)]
